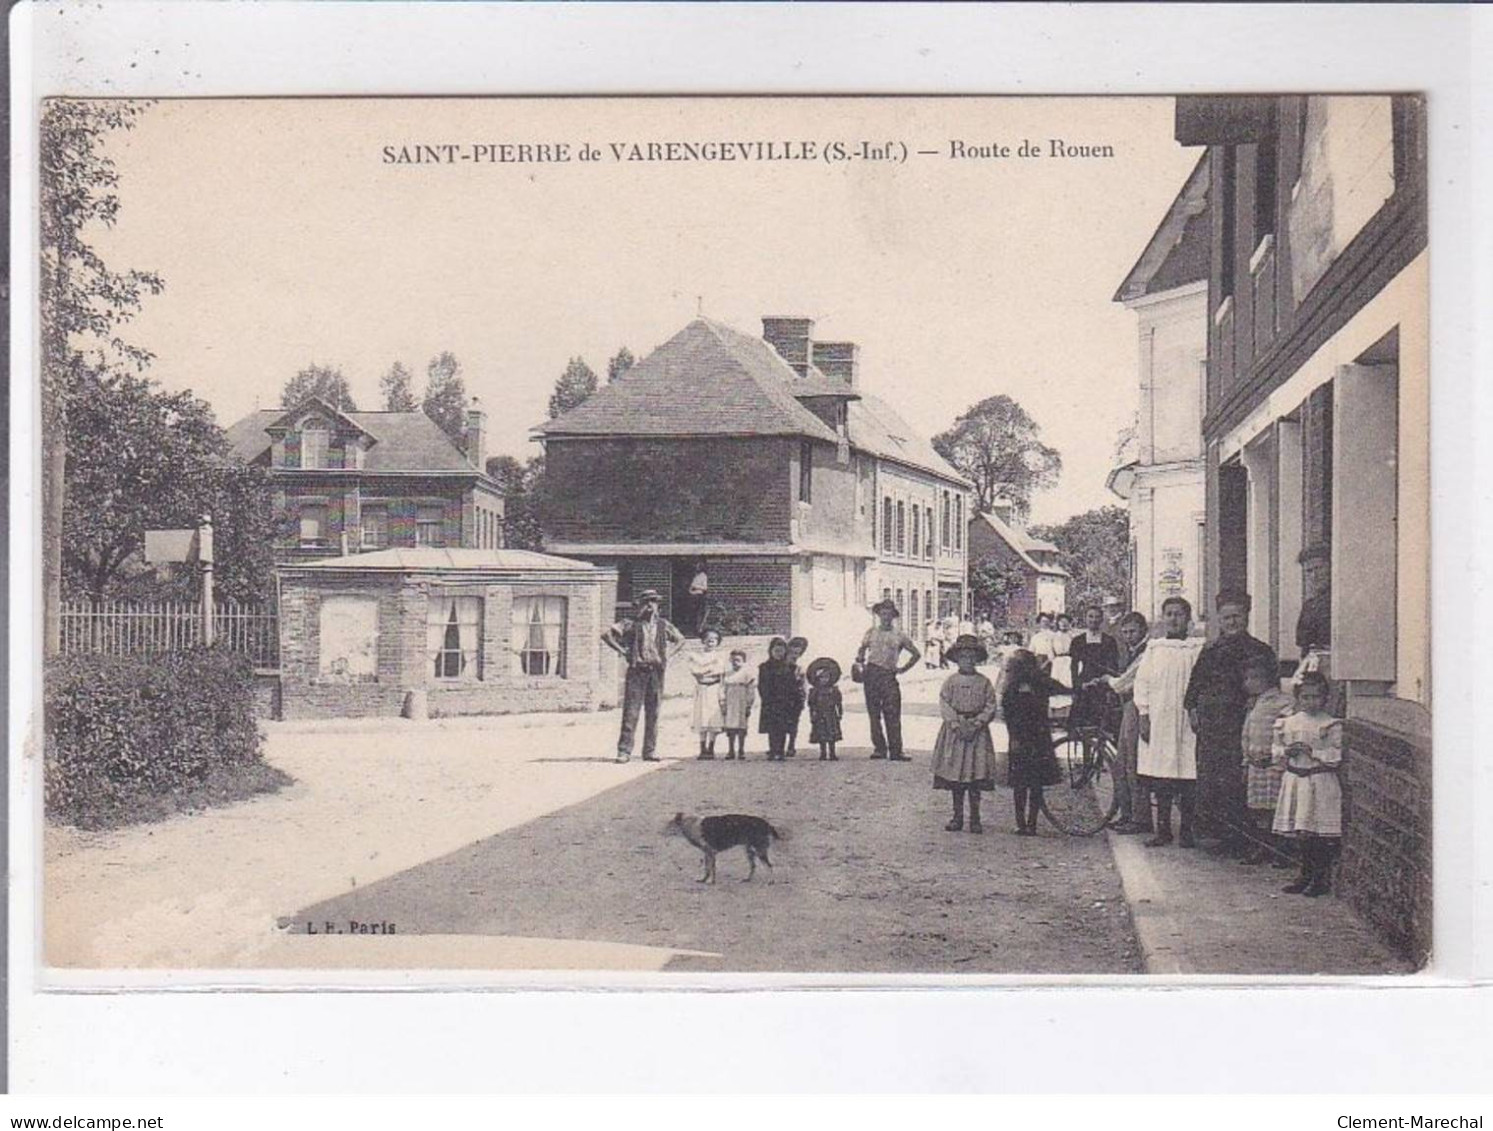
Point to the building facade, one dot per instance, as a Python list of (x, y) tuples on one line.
[(760, 463), (444, 632), (355, 482), (1164, 485), (1317, 438), (996, 536)]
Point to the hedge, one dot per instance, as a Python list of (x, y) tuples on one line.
[(124, 729)]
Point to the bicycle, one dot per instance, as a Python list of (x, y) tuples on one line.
[(1085, 801)]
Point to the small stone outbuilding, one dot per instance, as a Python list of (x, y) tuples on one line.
[(444, 632)]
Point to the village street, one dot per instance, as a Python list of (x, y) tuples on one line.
[(516, 843)]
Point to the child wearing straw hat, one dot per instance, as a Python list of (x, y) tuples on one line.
[(826, 706), (964, 755)]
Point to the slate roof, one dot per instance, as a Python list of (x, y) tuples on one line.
[(1179, 250), (1022, 544), (707, 380), (876, 428), (403, 441), (433, 558)]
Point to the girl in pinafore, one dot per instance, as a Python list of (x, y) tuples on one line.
[(826, 707), (964, 755), (708, 666), (1309, 748), (1024, 704), (740, 692)]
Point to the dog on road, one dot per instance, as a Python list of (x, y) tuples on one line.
[(714, 835)]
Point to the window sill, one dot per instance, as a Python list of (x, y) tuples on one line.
[(1267, 245), (1225, 308)]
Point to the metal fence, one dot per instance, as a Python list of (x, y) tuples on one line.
[(127, 628)]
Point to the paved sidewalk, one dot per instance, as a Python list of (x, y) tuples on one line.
[(1199, 914)]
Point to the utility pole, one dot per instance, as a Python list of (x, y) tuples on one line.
[(205, 557)]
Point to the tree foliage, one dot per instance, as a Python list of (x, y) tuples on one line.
[(999, 448), (141, 458), (621, 362), (445, 399), (576, 384), (994, 581), (323, 381), (1094, 547), (397, 387), (522, 487)]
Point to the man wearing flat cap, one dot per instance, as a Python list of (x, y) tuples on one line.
[(645, 644), (881, 654)]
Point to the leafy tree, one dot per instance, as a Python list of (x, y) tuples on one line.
[(999, 448), (576, 384), (994, 581), (83, 302), (398, 389), (323, 381), (445, 399), (522, 486), (1094, 547), (621, 362), (141, 458)]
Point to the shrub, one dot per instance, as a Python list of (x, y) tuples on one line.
[(120, 729)]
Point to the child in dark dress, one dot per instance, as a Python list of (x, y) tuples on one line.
[(1033, 764), (777, 687), (796, 649), (826, 707)]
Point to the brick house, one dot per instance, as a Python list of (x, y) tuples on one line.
[(1316, 437), (1164, 485), (806, 498), (444, 632), (995, 535), (350, 482)]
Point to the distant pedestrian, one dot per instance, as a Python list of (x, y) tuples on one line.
[(1262, 777), (740, 687), (645, 644), (964, 755), (699, 596), (826, 706), (778, 688), (796, 649), (1167, 759), (1043, 644), (881, 654), (708, 667), (1309, 749), (1033, 765), (1217, 703), (1062, 649), (1095, 653), (1135, 801), (933, 643)]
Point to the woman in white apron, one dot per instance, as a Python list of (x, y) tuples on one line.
[(1167, 756)]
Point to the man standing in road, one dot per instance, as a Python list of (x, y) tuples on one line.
[(645, 645), (881, 652)]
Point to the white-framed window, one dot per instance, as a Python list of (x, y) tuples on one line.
[(430, 526), (315, 440), (538, 639), (453, 637), (943, 539), (347, 641), (916, 540), (901, 527), (928, 533), (375, 527), (886, 525), (958, 522), (313, 518)]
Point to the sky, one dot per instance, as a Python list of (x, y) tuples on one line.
[(286, 236)]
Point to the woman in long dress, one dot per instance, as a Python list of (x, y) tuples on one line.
[(1167, 758), (964, 755), (708, 667)]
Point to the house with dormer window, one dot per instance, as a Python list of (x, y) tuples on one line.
[(352, 482)]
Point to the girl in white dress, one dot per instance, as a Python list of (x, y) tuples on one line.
[(1309, 748), (709, 666), (1167, 756)]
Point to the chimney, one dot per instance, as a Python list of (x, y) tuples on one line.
[(792, 338), (473, 439), (1002, 509), (839, 361)]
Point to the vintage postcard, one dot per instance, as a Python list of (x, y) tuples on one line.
[(816, 536)]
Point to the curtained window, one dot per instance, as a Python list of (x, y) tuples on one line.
[(430, 526), (538, 642), (453, 636)]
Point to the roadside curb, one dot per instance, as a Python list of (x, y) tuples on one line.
[(1163, 942)]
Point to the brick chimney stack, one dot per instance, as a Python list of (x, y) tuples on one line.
[(839, 361), (474, 437), (793, 339)]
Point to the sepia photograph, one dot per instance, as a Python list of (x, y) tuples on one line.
[(827, 537)]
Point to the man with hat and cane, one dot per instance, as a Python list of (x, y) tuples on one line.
[(645, 643), (880, 658)]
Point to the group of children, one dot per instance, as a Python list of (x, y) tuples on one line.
[(727, 691)]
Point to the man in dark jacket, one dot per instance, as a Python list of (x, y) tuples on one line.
[(1217, 704), (645, 645)]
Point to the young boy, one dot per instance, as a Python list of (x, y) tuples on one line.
[(1262, 778)]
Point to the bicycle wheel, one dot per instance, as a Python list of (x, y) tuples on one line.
[(1084, 800)]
